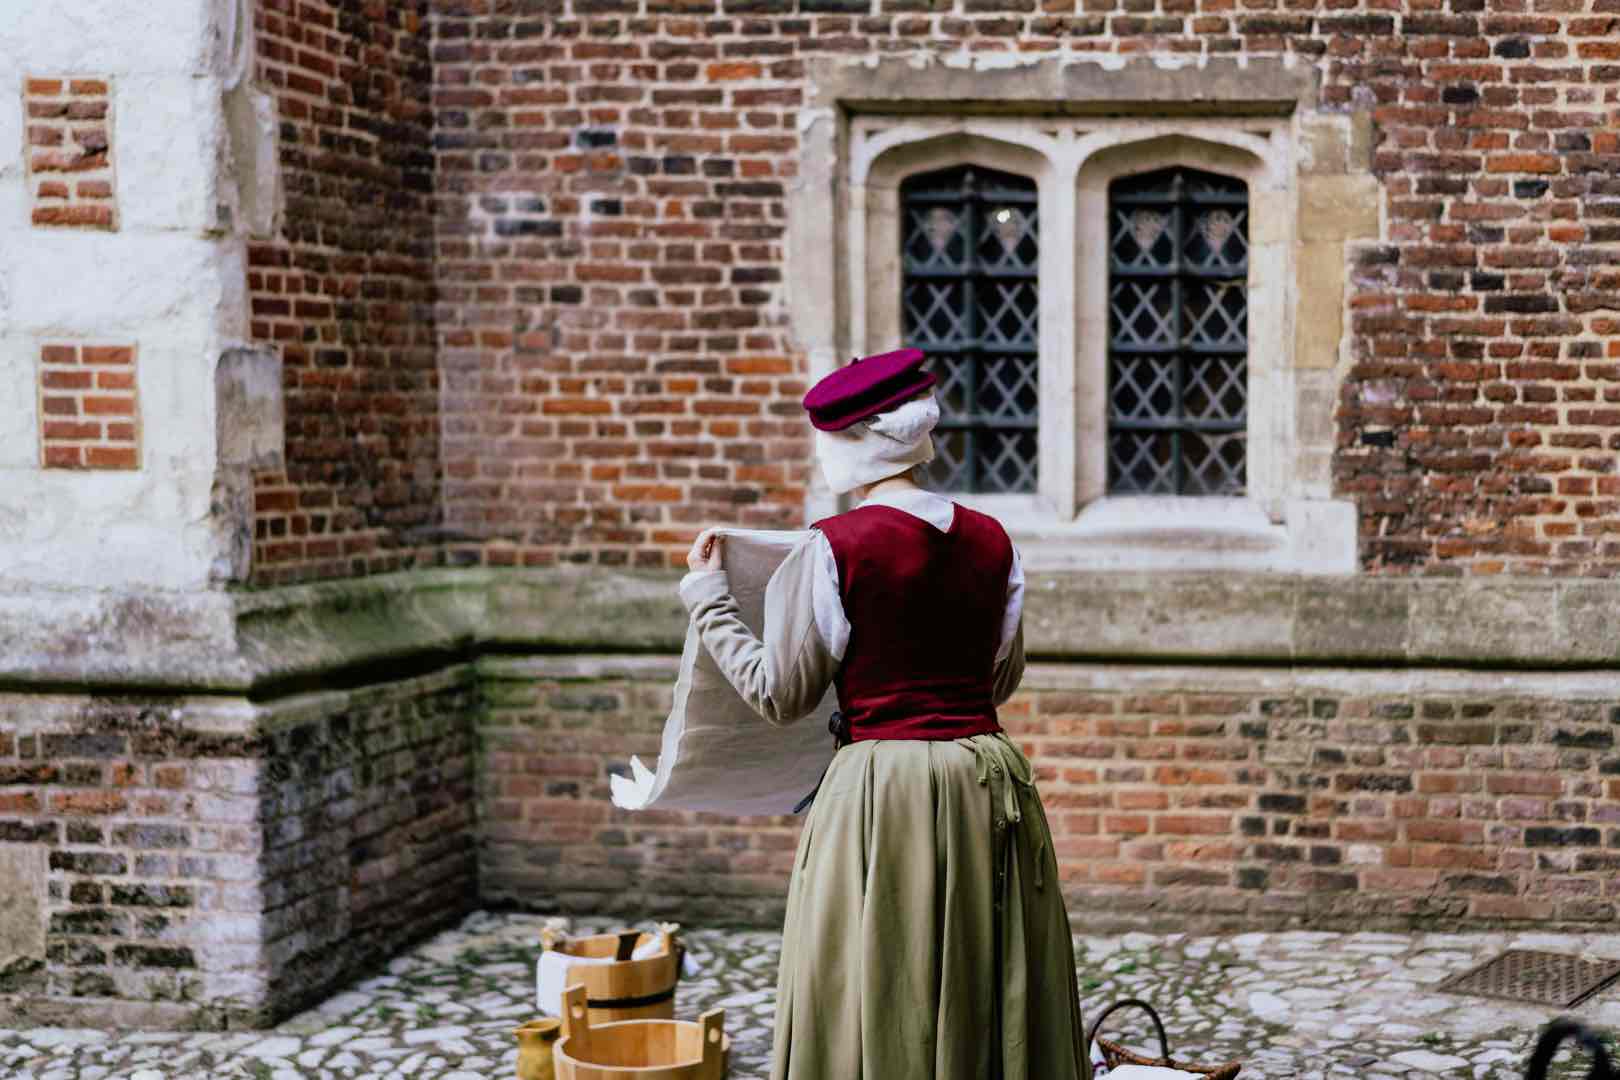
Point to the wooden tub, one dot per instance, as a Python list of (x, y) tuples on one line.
[(625, 989), (639, 1049)]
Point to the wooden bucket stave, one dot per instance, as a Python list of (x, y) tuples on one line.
[(639, 1049), (626, 989)]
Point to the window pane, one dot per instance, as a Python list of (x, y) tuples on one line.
[(936, 313), (1218, 239), (1144, 238), (1217, 388), (1144, 314), (1143, 388), (954, 390), (1214, 463), (1178, 312), (1007, 387), (949, 469), (1141, 462), (970, 298), (1217, 315)]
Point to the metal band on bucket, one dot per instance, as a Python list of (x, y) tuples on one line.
[(630, 1002)]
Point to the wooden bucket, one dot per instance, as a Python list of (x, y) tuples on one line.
[(625, 989), (640, 1049)]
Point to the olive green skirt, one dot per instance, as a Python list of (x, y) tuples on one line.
[(926, 937)]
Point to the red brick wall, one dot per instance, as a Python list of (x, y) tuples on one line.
[(89, 408), (345, 290), (1485, 329), (370, 836), (1236, 806), (151, 850), (70, 158), (617, 364)]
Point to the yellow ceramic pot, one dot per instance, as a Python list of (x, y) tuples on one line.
[(536, 1040)]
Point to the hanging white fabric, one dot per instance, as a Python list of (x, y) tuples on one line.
[(718, 754)]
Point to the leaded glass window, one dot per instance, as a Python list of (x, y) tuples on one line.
[(1178, 334), (969, 251)]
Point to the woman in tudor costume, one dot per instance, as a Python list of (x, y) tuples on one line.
[(926, 937)]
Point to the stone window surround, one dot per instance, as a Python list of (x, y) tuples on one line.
[(871, 125)]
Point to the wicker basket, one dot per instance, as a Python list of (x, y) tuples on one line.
[(1115, 1055)]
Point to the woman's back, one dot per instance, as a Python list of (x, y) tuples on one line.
[(925, 609)]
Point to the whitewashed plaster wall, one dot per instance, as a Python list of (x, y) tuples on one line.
[(171, 281)]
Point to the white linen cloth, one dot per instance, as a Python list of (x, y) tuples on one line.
[(1149, 1072), (718, 754)]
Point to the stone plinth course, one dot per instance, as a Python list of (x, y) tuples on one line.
[(1298, 1004)]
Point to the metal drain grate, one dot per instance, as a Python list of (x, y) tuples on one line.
[(1541, 978)]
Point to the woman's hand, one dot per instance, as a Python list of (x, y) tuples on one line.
[(705, 553)]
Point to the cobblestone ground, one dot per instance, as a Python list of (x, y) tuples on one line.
[(1286, 1004)]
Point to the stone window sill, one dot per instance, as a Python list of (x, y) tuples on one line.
[(1149, 532)]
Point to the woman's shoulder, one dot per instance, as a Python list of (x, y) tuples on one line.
[(865, 516), (980, 519), (986, 529)]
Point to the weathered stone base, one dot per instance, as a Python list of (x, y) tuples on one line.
[(340, 769)]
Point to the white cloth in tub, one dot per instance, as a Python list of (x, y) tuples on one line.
[(1149, 1072)]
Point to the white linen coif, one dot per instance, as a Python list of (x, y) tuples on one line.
[(884, 445)]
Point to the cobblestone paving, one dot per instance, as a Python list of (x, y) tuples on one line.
[(1287, 1005)]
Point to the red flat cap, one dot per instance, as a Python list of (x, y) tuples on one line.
[(865, 387)]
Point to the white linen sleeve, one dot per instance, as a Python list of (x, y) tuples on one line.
[(785, 676), (692, 579), (1015, 607), (831, 621)]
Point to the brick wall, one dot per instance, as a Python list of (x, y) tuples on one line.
[(205, 877), (89, 407), (146, 832), (369, 839), (1234, 807), (618, 367), (70, 158), (551, 839), (617, 364), (1479, 421), (1334, 804), (345, 291)]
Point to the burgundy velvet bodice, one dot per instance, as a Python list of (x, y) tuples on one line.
[(925, 610)]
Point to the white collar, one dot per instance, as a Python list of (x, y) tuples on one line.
[(937, 510)]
